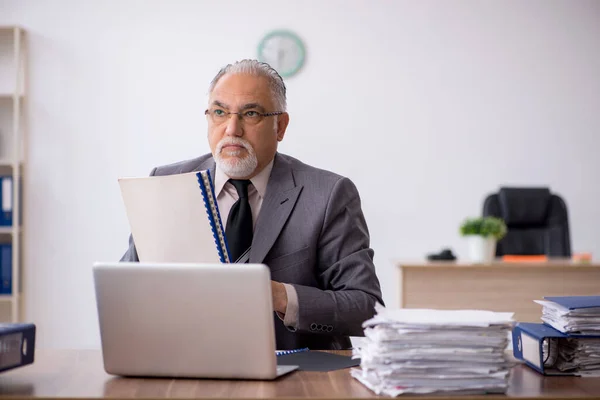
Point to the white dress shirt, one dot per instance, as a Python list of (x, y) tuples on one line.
[(227, 196)]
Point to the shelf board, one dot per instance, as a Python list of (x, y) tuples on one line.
[(9, 95), (8, 229), (7, 297), (5, 162)]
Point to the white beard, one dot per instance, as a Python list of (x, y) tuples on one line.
[(234, 166)]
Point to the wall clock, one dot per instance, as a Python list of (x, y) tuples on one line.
[(282, 50)]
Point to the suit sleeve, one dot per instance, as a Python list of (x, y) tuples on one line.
[(131, 254), (349, 287)]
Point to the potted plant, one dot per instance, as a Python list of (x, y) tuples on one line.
[(482, 235)]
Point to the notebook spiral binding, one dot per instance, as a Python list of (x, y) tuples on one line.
[(283, 352), (210, 202)]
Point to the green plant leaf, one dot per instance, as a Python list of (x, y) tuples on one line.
[(484, 226)]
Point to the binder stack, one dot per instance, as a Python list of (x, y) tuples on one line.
[(567, 343), (423, 351), (577, 315)]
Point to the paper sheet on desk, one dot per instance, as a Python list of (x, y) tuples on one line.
[(430, 351), (395, 387), (420, 317), (457, 338)]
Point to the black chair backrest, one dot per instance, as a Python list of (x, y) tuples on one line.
[(536, 219)]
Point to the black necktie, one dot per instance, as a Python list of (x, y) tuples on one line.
[(239, 222)]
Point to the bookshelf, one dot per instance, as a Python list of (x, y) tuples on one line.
[(12, 162)]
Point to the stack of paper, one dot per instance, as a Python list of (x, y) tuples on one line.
[(435, 351), (579, 355), (573, 314)]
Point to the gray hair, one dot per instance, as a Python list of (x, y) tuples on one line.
[(256, 68)]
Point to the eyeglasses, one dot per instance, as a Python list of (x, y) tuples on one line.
[(250, 117)]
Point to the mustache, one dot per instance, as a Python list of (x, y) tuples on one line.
[(233, 141)]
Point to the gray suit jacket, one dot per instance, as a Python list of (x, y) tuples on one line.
[(312, 234)]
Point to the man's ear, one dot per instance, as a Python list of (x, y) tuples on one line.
[(282, 122)]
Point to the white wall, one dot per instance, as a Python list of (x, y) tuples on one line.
[(426, 105)]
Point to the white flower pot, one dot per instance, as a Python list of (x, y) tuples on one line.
[(482, 250)]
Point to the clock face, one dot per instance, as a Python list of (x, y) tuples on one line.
[(282, 50)]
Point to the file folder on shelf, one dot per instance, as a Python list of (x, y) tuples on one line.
[(539, 346), (6, 188), (6, 200), (17, 345), (6, 268)]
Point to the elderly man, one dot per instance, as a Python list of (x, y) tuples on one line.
[(304, 223)]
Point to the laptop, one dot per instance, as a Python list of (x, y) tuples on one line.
[(187, 320)]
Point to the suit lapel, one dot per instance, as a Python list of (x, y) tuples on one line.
[(280, 199), (209, 164)]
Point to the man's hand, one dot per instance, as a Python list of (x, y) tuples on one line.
[(279, 297)]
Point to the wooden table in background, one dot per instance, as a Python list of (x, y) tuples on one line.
[(79, 374), (497, 287)]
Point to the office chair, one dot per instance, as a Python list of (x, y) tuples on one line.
[(536, 219)]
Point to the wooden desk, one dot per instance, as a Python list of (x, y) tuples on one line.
[(496, 287), (79, 374)]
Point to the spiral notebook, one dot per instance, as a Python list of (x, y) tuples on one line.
[(175, 218)]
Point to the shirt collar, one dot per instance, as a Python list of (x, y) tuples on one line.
[(259, 181)]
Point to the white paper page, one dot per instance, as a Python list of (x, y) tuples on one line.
[(168, 219), (439, 317), (553, 306)]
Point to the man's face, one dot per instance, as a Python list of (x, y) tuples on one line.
[(242, 148)]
